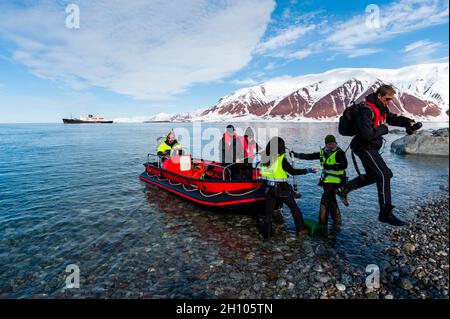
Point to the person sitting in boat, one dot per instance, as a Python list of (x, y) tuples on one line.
[(247, 144), (229, 148), (334, 163), (228, 145), (275, 169), (169, 146), (246, 150)]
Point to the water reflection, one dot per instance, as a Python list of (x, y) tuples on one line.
[(71, 194)]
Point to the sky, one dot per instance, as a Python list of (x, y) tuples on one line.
[(127, 59)]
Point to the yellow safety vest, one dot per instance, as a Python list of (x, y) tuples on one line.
[(331, 176), (275, 172), (164, 147)]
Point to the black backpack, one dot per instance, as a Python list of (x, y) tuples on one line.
[(347, 119)]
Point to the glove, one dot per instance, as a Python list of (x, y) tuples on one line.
[(414, 127), (311, 170), (383, 129)]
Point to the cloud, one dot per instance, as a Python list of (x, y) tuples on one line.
[(394, 19), (247, 81), (421, 51), (300, 54), (270, 66), (363, 51), (284, 38), (422, 44), (143, 49), (359, 36)]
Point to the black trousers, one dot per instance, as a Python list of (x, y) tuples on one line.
[(329, 202), (329, 193), (271, 200), (376, 172)]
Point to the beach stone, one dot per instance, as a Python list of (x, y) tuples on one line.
[(323, 278), (372, 295), (236, 276), (423, 143), (406, 284), (281, 283), (318, 284), (444, 132), (346, 279), (408, 270), (409, 248), (318, 268), (340, 287)]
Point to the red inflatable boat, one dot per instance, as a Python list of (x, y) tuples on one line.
[(203, 182)]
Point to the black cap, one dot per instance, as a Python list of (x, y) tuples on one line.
[(230, 129)]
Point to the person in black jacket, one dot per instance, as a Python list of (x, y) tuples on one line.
[(230, 152), (228, 146), (334, 163), (275, 169), (370, 122)]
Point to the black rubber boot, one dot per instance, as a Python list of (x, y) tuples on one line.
[(342, 193), (335, 213), (323, 214), (386, 216), (300, 227), (267, 230)]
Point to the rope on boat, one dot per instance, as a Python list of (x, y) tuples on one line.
[(243, 194), (190, 190), (195, 188), (146, 173), (174, 184), (211, 195), (161, 179)]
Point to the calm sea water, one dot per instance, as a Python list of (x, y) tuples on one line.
[(70, 194)]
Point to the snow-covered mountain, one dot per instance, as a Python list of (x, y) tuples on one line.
[(422, 91)]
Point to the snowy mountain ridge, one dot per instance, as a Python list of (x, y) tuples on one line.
[(422, 92)]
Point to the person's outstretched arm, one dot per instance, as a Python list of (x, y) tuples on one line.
[(399, 120), (294, 171), (307, 156)]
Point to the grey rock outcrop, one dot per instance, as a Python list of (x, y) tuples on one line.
[(423, 143)]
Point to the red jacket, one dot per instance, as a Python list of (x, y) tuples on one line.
[(378, 118)]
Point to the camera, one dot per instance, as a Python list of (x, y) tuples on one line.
[(413, 128)]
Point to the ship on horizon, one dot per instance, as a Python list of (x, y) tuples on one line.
[(90, 119)]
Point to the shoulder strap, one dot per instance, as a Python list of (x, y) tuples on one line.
[(363, 104)]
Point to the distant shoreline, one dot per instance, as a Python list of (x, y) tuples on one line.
[(217, 121)]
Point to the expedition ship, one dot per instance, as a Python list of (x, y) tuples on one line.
[(92, 119)]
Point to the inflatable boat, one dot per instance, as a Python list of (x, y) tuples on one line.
[(203, 182)]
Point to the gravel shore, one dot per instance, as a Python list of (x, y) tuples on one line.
[(416, 265), (222, 256), (419, 258)]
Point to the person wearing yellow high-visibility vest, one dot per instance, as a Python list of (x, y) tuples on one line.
[(275, 169), (168, 146), (334, 163)]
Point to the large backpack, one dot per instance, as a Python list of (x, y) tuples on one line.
[(347, 120)]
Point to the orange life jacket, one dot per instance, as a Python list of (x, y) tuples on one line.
[(228, 140), (249, 150)]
